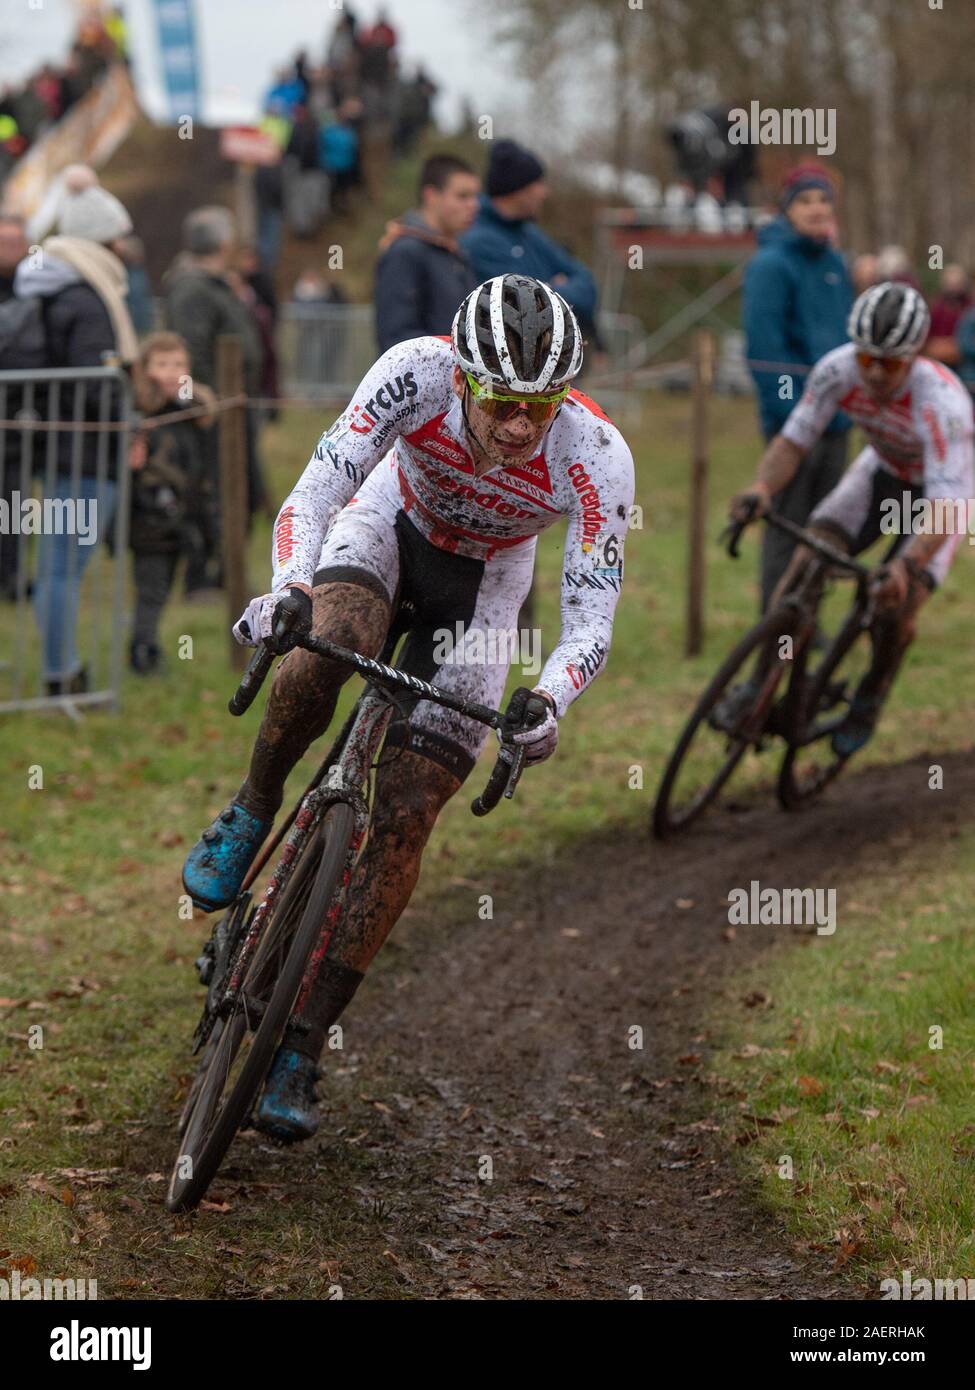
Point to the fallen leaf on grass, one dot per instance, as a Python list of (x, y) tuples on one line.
[(758, 998), (810, 1086), (90, 1177), (849, 1246)]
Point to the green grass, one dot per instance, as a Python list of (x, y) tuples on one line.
[(93, 941), (846, 1077)]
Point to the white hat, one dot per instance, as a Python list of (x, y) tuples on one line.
[(93, 214)]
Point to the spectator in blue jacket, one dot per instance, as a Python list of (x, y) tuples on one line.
[(505, 238), (965, 338), (422, 276), (797, 297)]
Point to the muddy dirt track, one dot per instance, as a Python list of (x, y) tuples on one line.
[(511, 1043)]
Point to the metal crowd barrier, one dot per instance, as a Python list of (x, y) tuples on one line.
[(64, 500), (324, 350)]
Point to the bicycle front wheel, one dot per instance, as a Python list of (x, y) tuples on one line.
[(709, 749), (230, 1079)]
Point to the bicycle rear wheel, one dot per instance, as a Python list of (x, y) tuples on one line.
[(810, 764), (228, 1084), (706, 755)]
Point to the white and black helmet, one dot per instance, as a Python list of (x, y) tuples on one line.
[(517, 333), (889, 320)]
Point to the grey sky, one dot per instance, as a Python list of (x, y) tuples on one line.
[(243, 40)]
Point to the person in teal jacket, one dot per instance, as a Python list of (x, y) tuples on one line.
[(505, 237), (797, 296), (965, 337)]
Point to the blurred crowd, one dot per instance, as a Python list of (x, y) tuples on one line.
[(67, 304), (29, 110), (338, 124), (83, 299)]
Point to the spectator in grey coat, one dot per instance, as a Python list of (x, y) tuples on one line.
[(202, 306), (422, 275)]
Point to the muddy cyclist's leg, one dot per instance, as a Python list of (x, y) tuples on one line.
[(305, 690), (411, 791), (891, 634)]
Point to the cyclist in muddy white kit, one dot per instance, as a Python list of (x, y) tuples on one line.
[(433, 485), (917, 417)]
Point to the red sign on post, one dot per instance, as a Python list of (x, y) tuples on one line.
[(246, 144)]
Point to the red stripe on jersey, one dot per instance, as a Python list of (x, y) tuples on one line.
[(284, 543), (937, 436), (499, 482), (446, 538), (944, 373), (590, 404), (437, 444)]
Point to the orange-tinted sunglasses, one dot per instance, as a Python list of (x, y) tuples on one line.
[(889, 364), (503, 407)]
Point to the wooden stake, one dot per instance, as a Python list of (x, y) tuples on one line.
[(703, 359), (233, 487)]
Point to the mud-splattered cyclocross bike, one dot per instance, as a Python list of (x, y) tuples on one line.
[(819, 686), (262, 957)]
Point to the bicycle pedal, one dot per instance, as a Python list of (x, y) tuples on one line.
[(205, 963)]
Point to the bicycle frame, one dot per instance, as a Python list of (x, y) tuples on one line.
[(341, 778), (345, 780)]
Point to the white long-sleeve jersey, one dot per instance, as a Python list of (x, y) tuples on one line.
[(923, 436), (584, 472)]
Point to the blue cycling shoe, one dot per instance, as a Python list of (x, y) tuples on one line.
[(858, 726), (215, 867), (288, 1111)]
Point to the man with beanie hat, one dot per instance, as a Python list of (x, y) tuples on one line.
[(80, 284), (797, 296), (506, 239)]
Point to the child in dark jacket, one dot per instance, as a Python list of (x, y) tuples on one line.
[(174, 506)]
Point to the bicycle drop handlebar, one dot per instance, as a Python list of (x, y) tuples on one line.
[(732, 534), (511, 757)]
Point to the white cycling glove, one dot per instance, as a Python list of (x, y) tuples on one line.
[(256, 623), (541, 741), (257, 620)]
